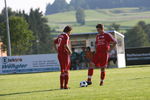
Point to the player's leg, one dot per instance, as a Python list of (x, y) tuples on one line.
[(103, 65), (103, 73), (67, 67), (90, 73), (66, 80), (62, 77), (62, 74)]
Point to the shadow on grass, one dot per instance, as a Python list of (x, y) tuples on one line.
[(29, 92)]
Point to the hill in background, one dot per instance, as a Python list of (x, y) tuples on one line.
[(62, 5), (125, 17)]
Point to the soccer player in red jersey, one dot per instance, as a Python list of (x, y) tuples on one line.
[(62, 46), (100, 59)]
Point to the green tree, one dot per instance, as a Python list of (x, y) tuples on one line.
[(20, 34), (147, 30), (57, 6), (41, 31), (76, 4), (80, 16), (114, 26), (38, 25), (136, 37), (60, 5)]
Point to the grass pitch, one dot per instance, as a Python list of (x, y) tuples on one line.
[(131, 83)]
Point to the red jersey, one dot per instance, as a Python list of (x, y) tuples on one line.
[(103, 42), (61, 41)]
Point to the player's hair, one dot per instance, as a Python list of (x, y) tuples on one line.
[(101, 26), (88, 48), (67, 29), (72, 49)]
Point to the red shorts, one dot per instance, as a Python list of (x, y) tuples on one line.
[(64, 61), (101, 59)]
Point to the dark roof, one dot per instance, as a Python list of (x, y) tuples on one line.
[(92, 33)]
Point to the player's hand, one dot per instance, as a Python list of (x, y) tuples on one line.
[(69, 52)]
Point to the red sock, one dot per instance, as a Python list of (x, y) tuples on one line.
[(90, 74), (103, 75), (62, 80), (66, 80)]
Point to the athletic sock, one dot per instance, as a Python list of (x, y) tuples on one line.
[(103, 75), (61, 80), (90, 74), (66, 80)]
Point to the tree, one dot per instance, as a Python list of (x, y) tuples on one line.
[(76, 4), (38, 25), (114, 26), (41, 31), (136, 37), (80, 16), (20, 34), (57, 6), (48, 9), (147, 31), (142, 24), (61, 5)]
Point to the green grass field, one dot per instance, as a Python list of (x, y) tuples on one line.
[(126, 17), (132, 83)]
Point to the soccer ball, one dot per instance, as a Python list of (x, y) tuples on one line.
[(83, 84)]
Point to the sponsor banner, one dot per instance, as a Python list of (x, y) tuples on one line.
[(29, 63), (138, 56), (144, 56)]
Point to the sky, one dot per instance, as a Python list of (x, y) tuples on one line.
[(26, 5)]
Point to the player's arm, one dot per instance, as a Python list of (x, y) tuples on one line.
[(68, 49), (56, 45), (67, 45), (113, 41), (113, 45)]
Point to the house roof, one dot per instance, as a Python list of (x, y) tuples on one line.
[(94, 33)]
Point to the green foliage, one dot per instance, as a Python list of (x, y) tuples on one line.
[(61, 5), (57, 6), (76, 4), (147, 30), (114, 26), (80, 16), (120, 84), (20, 35), (137, 37), (38, 24)]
